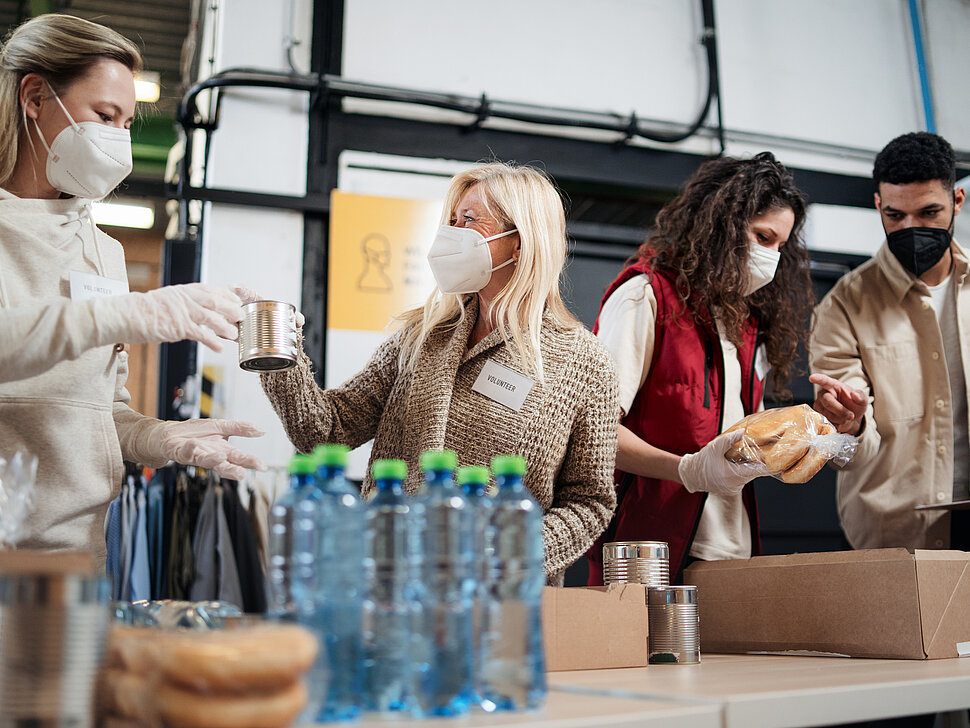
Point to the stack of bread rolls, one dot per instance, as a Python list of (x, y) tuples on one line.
[(784, 441), (249, 677)]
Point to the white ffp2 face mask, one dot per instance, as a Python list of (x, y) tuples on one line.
[(89, 159), (461, 261), (762, 264)]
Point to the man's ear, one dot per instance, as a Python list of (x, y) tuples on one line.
[(959, 196)]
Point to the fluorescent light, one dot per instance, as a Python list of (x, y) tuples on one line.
[(147, 86), (133, 216)]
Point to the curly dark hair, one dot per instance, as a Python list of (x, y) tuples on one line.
[(701, 240), (915, 157)]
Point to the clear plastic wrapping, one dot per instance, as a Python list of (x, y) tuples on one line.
[(790, 443), (250, 676), (17, 480)]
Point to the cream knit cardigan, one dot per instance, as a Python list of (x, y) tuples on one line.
[(566, 428)]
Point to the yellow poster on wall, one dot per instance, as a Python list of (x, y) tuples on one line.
[(378, 258)]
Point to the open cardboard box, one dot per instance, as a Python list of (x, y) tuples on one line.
[(875, 603), (590, 628)]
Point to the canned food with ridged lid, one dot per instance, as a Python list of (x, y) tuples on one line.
[(267, 336)]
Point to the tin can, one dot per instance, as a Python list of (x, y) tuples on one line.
[(52, 635), (267, 336), (674, 625), (636, 562)]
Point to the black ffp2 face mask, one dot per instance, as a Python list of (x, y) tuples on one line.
[(920, 248)]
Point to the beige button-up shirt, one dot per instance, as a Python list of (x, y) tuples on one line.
[(877, 331)]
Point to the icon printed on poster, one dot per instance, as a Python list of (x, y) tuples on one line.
[(377, 257)]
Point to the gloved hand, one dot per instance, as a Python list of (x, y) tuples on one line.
[(204, 443), (193, 311), (248, 295), (708, 469)]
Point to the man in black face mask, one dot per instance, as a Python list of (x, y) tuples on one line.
[(888, 361)]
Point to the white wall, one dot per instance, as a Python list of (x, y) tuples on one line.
[(261, 145), (945, 33), (821, 72)]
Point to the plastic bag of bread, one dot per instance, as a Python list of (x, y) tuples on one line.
[(245, 677), (791, 443)]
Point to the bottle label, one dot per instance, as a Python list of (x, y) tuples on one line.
[(503, 385)]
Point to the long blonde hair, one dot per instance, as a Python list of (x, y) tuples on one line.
[(61, 48), (522, 198)]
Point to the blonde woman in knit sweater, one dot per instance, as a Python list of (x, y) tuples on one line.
[(497, 312), (67, 98)]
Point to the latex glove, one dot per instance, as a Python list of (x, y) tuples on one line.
[(205, 443), (248, 295), (194, 311), (708, 469)]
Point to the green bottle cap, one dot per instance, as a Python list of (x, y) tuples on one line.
[(508, 465), (303, 465), (439, 460), (331, 455), (473, 474), (389, 470)]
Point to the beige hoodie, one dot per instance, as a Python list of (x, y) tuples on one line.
[(62, 394)]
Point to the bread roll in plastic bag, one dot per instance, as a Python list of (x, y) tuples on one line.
[(252, 676), (790, 443)]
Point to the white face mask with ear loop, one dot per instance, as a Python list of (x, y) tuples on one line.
[(87, 160), (461, 261), (762, 264)]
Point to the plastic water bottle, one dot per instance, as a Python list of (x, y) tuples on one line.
[(513, 672), (291, 543), (473, 481), (293, 591), (339, 563), (396, 646), (450, 583)]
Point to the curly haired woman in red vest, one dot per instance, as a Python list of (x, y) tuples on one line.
[(716, 299)]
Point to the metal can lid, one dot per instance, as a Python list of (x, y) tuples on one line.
[(659, 595)]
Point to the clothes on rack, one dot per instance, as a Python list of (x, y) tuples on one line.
[(188, 536)]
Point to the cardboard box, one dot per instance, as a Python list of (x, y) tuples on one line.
[(876, 603), (588, 628)]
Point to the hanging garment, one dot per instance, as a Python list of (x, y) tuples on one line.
[(181, 567), (252, 578), (156, 528), (229, 589), (205, 584), (112, 540), (140, 582), (259, 523)]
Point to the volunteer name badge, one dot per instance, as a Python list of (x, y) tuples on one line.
[(85, 286), (503, 385)]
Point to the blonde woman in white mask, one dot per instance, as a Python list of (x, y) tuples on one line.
[(492, 364), (67, 99), (718, 297)]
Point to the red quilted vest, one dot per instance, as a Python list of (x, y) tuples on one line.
[(678, 409)]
